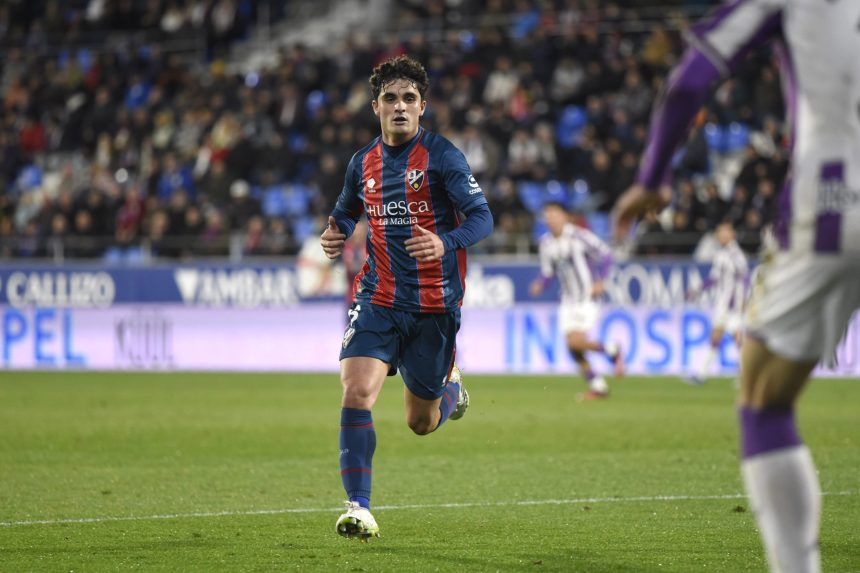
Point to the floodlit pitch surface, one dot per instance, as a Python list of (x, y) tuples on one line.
[(236, 472)]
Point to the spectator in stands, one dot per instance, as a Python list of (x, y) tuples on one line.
[(279, 241), (242, 207), (651, 235), (141, 107), (715, 206), (688, 201), (174, 177), (215, 238)]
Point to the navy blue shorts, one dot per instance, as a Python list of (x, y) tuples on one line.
[(420, 345)]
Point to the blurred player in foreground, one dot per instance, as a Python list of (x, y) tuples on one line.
[(728, 279), (411, 183), (580, 261), (808, 285)]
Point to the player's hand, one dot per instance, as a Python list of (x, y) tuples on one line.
[(597, 290), (633, 204), (332, 240), (536, 287), (424, 245)]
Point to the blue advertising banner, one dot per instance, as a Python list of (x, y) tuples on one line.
[(254, 286)]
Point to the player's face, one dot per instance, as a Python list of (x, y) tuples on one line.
[(555, 219), (725, 234), (399, 108)]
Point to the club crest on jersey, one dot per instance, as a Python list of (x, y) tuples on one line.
[(415, 178), (370, 184)]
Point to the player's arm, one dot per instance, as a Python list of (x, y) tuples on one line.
[(710, 281), (344, 217), (707, 285), (716, 48), (547, 271), (600, 260), (467, 197), (428, 246)]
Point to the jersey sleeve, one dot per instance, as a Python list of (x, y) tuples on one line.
[(742, 269), (717, 46), (349, 206), (547, 270), (736, 28), (460, 184), (598, 253)]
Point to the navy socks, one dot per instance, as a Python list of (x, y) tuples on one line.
[(357, 444)]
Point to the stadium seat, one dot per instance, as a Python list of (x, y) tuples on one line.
[(599, 224), (578, 195), (531, 194), (570, 123), (274, 202), (85, 59), (315, 100), (539, 229), (297, 141), (136, 255), (303, 227), (737, 136), (29, 177), (297, 200), (556, 192), (112, 256), (715, 136)]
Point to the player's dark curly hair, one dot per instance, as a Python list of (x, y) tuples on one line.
[(399, 68)]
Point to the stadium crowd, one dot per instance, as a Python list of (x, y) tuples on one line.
[(104, 149)]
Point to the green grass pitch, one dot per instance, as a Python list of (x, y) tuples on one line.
[(239, 472)]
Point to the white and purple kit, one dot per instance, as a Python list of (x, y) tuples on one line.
[(809, 286), (728, 279), (578, 258)]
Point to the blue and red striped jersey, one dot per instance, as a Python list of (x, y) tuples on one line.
[(425, 182)]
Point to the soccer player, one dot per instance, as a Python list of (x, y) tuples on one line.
[(581, 262), (808, 285), (411, 183), (729, 277)]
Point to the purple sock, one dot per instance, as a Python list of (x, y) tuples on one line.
[(767, 430), (449, 402)]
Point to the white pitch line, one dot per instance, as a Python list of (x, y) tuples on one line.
[(521, 503)]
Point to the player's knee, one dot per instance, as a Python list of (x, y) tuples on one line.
[(576, 343), (578, 355), (357, 395), (421, 425)]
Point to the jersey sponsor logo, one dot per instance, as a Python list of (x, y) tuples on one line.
[(415, 178), (834, 196), (398, 212), (475, 188)]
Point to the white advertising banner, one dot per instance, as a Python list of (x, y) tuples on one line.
[(522, 338)]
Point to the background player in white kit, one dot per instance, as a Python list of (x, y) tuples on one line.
[(728, 279), (580, 261), (808, 285)]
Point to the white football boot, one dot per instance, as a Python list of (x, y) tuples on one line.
[(357, 522), (462, 398)]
